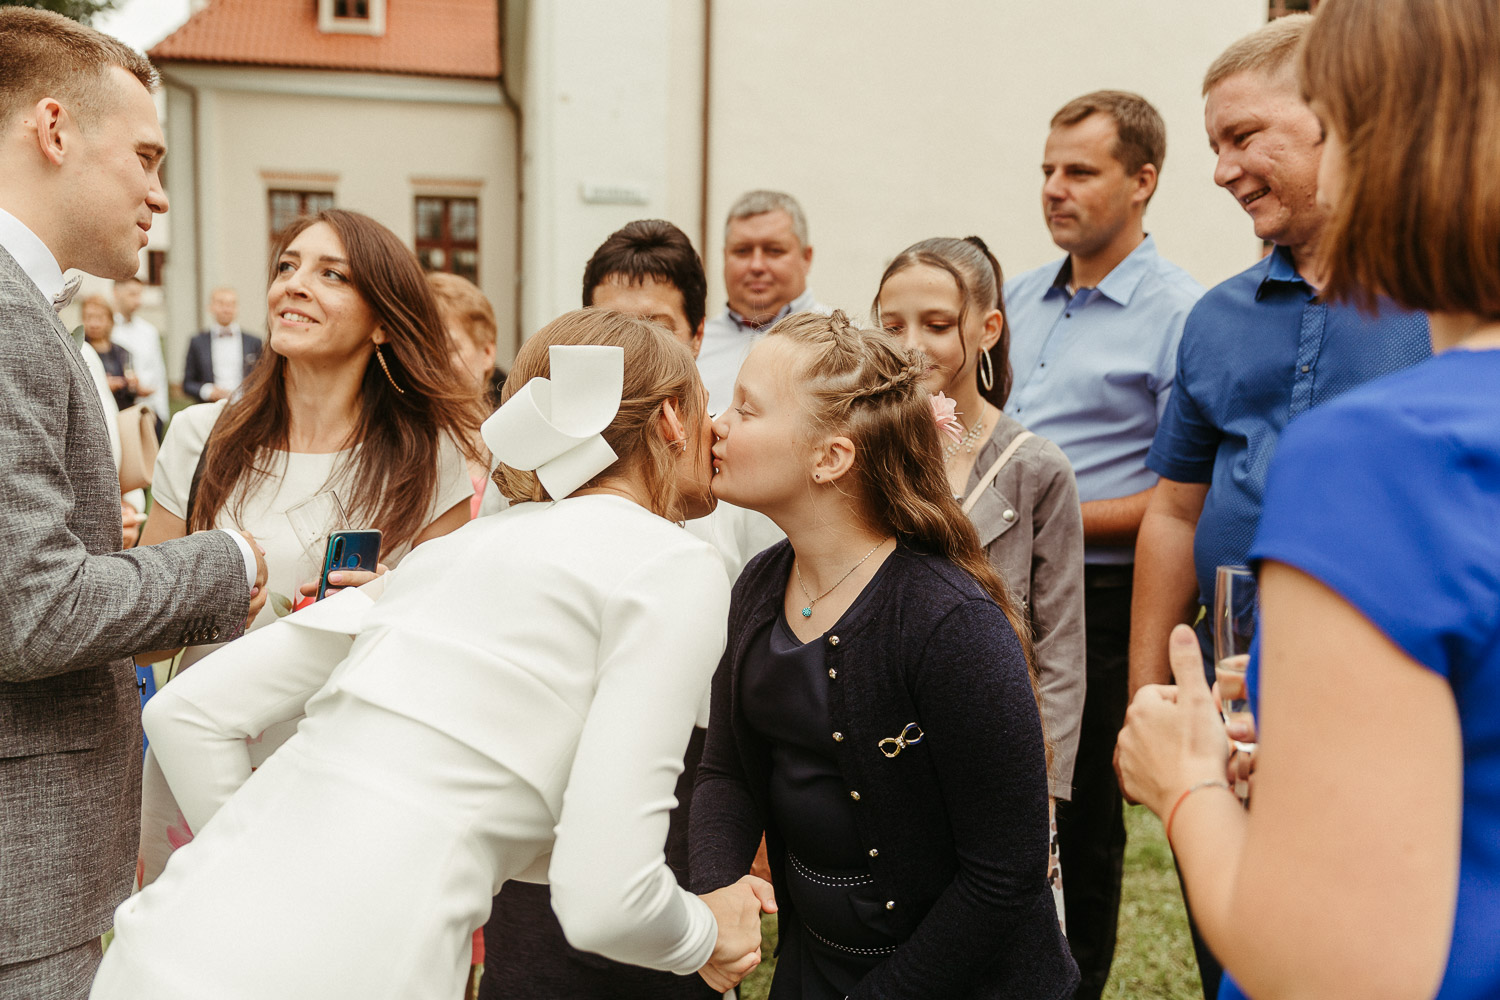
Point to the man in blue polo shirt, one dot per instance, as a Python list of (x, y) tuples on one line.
[(1094, 338), (1258, 349)]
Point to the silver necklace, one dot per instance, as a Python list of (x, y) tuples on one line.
[(966, 442), (811, 600)]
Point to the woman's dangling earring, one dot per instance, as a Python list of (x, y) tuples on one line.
[(986, 371), (380, 356)]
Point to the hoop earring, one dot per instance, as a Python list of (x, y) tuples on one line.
[(986, 371), (379, 356)]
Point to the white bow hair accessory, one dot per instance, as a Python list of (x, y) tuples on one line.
[(552, 425)]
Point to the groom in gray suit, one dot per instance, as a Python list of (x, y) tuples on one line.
[(80, 154)]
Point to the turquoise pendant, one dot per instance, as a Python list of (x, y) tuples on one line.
[(807, 612)]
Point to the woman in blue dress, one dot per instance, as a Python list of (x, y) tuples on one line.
[(1367, 865)]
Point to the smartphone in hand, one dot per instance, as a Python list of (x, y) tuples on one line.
[(349, 550)]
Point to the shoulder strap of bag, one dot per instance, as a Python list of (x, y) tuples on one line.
[(989, 477)]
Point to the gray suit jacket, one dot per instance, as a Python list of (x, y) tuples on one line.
[(73, 609)]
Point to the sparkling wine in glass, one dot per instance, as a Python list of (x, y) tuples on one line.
[(313, 520), (1234, 627)]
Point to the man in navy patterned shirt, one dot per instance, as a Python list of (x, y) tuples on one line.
[(1256, 351)]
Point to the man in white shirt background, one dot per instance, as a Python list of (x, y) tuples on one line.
[(766, 260), (143, 341), (219, 358)]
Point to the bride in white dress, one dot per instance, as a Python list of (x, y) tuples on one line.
[(512, 702)]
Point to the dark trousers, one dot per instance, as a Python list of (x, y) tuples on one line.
[(1091, 827)]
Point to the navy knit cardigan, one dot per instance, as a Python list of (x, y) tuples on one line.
[(955, 826)]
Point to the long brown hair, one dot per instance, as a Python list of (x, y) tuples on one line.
[(980, 284), (392, 477), (658, 367), (1412, 87), (863, 385)]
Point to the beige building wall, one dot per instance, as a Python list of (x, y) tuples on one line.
[(893, 122), (613, 132), (376, 142)]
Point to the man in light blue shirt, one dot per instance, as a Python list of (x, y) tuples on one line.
[(1094, 347)]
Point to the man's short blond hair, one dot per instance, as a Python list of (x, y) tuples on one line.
[(43, 54), (1267, 50)]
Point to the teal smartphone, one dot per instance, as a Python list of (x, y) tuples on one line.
[(349, 550)]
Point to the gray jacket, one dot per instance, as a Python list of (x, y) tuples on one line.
[(73, 609), (1031, 526)]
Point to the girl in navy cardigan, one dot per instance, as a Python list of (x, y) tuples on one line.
[(873, 714)]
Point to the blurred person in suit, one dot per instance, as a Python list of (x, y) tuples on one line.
[(219, 358), (80, 158)]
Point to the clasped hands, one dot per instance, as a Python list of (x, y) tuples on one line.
[(1174, 736), (736, 909)]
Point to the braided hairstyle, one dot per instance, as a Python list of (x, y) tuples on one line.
[(863, 385), (980, 284)]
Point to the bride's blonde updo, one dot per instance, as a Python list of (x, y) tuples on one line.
[(657, 368), (862, 384)]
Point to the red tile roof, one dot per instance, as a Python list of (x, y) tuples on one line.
[(455, 38)]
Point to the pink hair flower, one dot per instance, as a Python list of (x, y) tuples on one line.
[(944, 415)]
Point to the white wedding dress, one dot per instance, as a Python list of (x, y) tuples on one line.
[(515, 702)]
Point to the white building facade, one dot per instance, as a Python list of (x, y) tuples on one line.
[(889, 121)]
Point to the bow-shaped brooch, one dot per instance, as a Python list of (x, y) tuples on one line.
[(910, 736)]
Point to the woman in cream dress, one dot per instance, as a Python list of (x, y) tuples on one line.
[(353, 396), (512, 702)]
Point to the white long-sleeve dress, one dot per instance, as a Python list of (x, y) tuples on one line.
[(515, 702)]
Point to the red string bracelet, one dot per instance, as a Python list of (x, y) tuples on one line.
[(1215, 783)]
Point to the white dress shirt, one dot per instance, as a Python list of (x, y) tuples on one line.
[(32, 254), (227, 355), (143, 341)]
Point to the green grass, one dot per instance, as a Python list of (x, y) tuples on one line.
[(1154, 955)]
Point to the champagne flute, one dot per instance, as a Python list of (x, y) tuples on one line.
[(313, 520), (1234, 627)]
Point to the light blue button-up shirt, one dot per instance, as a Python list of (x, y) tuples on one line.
[(1093, 369)]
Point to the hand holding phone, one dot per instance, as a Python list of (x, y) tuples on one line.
[(349, 551)]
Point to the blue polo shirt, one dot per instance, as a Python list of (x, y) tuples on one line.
[(1094, 368), (1259, 349)]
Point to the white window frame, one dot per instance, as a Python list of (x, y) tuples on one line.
[(374, 24)]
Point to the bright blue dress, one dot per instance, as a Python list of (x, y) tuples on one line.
[(1390, 495)]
